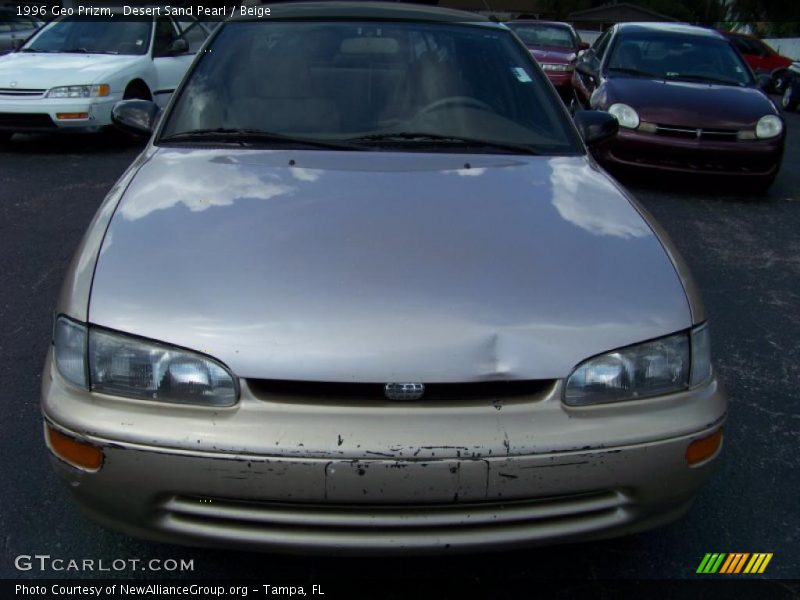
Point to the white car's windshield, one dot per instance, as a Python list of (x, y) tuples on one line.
[(369, 84), (94, 36)]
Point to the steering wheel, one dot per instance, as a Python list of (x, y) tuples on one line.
[(450, 101)]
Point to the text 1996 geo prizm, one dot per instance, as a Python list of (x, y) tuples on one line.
[(365, 290)]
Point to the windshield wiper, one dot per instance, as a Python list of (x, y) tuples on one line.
[(441, 139), (706, 78), (37, 50), (246, 137), (632, 71)]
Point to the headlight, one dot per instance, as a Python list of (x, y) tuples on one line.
[(555, 67), (80, 91), (663, 366), (625, 114), (122, 365), (769, 126)]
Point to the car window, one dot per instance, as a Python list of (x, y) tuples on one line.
[(346, 81), (534, 34), (677, 57), (194, 34), (164, 37), (93, 36)]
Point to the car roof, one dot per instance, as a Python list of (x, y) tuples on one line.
[(368, 10), (680, 28), (537, 22)]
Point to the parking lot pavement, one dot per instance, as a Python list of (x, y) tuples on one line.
[(744, 252)]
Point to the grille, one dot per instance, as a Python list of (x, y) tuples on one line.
[(697, 161), (339, 523), (475, 391), (19, 93), (26, 121), (697, 133)]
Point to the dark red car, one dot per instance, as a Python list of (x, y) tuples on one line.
[(762, 58), (685, 101), (555, 47)]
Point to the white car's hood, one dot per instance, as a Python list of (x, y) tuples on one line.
[(45, 70)]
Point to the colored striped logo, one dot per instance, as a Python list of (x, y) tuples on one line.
[(734, 563)]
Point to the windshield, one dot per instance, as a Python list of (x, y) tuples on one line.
[(370, 84), (93, 37), (679, 57), (556, 36)]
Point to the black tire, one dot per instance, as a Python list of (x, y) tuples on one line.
[(779, 82), (791, 97)]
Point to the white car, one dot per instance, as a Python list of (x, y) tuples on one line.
[(69, 75)]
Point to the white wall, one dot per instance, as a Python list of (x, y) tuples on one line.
[(787, 46)]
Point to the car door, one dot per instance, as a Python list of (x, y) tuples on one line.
[(586, 77), (170, 60)]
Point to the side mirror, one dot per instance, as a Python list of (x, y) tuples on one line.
[(764, 82), (596, 126), (583, 66), (179, 46), (135, 116), (583, 46)]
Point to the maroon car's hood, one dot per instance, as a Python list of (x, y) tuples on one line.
[(552, 54), (690, 104)]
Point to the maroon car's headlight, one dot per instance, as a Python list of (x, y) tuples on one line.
[(122, 365), (626, 115), (663, 366)]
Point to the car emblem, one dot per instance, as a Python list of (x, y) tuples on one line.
[(404, 391), (13, 84)]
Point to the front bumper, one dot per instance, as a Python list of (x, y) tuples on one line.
[(750, 158), (36, 115), (271, 474)]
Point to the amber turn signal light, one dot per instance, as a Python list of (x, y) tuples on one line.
[(704, 448), (69, 116), (78, 454)]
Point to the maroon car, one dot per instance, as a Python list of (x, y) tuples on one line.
[(685, 101), (555, 47)]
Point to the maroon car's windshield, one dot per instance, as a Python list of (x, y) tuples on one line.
[(535, 34), (678, 57)]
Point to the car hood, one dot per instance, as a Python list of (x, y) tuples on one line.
[(690, 104), (45, 70), (401, 267), (548, 54)]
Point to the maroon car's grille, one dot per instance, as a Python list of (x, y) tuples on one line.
[(697, 133), (26, 121), (744, 165), (475, 391), (17, 93)]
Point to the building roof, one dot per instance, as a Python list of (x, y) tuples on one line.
[(368, 10), (618, 13)]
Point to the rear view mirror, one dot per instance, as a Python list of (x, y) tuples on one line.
[(596, 126), (764, 82), (179, 46), (135, 116)]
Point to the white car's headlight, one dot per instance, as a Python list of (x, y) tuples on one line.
[(625, 114), (557, 67), (80, 91), (769, 126), (663, 366), (122, 365)]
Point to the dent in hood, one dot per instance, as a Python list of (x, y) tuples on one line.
[(405, 267)]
